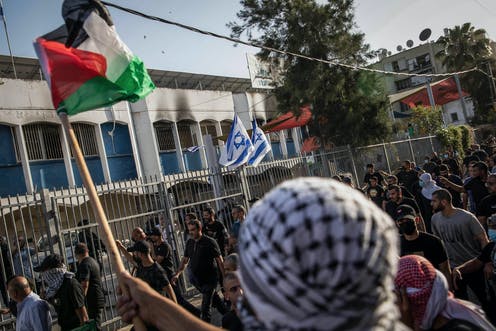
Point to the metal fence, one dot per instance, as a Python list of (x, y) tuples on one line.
[(53, 221)]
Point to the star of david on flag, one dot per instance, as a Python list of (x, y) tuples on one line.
[(260, 143), (238, 147)]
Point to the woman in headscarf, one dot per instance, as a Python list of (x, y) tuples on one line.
[(424, 197), (426, 303), (314, 254)]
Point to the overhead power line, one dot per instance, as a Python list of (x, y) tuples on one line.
[(252, 44)]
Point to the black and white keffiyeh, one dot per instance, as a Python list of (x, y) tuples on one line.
[(317, 255), (53, 279)]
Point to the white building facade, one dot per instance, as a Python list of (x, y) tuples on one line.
[(128, 140)]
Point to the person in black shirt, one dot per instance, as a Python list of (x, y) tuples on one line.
[(415, 242), (147, 269), (95, 246), (372, 173), (393, 180), (477, 185), (487, 206), (234, 293), (64, 292), (203, 255), (215, 229), (163, 256), (407, 177), (444, 171), (486, 262), (375, 192), (88, 275), (396, 199), (452, 162)]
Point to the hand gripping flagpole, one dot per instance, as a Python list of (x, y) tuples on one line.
[(101, 218)]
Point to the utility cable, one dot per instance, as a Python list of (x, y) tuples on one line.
[(275, 50)]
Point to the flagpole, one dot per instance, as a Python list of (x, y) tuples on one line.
[(101, 218), (7, 37)]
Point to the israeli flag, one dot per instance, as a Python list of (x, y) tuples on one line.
[(193, 149), (260, 143), (238, 147)]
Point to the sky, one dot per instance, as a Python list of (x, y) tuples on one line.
[(385, 23)]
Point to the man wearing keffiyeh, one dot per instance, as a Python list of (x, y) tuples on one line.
[(64, 292), (426, 303)]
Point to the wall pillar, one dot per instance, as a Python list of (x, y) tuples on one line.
[(23, 154)]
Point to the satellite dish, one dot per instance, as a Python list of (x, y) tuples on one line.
[(399, 48), (409, 43), (389, 53), (384, 52), (425, 34)]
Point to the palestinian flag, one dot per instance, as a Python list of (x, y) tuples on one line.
[(86, 64)]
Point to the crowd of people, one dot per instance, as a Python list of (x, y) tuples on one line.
[(414, 249)]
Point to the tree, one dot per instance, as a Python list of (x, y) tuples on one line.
[(427, 120), (348, 105), (465, 47)]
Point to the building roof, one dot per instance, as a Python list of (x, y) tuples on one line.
[(29, 68)]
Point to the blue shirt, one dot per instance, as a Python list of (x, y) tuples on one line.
[(33, 314)]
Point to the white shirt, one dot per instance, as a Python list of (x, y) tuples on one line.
[(33, 314)]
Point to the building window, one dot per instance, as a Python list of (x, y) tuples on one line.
[(85, 134), (288, 135), (424, 61), (274, 136), (208, 127), (165, 137), (43, 141), (412, 64), (454, 117), (226, 127), (396, 66), (403, 84), (404, 107), (186, 136)]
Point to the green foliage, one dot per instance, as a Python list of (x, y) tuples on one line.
[(427, 120), (465, 47), (467, 138), (456, 138), (349, 107)]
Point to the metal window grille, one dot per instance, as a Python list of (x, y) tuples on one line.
[(185, 134), (208, 127), (43, 141), (225, 126), (288, 134), (165, 138), (85, 134), (274, 137)]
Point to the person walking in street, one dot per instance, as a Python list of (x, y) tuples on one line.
[(33, 313), (397, 199), (426, 304), (95, 245), (89, 276), (64, 292), (147, 269), (163, 256), (22, 257), (238, 213), (464, 238), (205, 259), (215, 229), (415, 242)]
